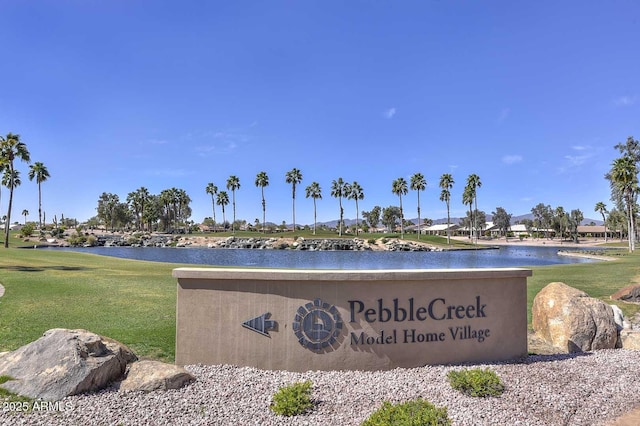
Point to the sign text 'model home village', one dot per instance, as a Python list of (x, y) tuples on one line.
[(410, 311)]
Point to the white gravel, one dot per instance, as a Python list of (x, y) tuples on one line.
[(580, 389)]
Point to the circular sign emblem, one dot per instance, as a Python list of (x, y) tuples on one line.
[(317, 325)]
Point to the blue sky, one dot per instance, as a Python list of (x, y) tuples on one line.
[(115, 95)]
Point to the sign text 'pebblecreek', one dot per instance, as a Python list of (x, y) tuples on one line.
[(415, 321)]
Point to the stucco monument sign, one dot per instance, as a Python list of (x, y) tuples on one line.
[(301, 320)]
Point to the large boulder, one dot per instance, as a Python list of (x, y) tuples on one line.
[(570, 320), (630, 293), (154, 375), (64, 362)]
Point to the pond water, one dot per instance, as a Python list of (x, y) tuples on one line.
[(504, 257)]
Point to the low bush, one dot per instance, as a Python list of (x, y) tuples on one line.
[(27, 230), (476, 382), (411, 413), (292, 400)]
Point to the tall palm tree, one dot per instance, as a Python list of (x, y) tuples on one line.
[(233, 183), (11, 149), (38, 171), (338, 190), (25, 213), (602, 209), (314, 191), (223, 200), (473, 182), (212, 190), (446, 183), (467, 199), (356, 193), (418, 183), (294, 177), (624, 179), (561, 216), (399, 188), (137, 201), (262, 180), (3, 166)]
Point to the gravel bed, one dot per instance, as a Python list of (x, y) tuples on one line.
[(578, 389)]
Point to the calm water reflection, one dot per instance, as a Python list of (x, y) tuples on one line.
[(503, 257)]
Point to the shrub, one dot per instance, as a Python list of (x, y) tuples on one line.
[(76, 239), (476, 382), (27, 230), (292, 400), (412, 413)]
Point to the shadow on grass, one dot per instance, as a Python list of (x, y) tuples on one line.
[(44, 268)]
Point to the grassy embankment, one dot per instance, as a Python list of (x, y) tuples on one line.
[(134, 302)]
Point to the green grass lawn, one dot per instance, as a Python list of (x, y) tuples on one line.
[(135, 302), (131, 301)]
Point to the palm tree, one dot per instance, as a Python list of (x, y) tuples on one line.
[(233, 183), (418, 183), (223, 200), (399, 187), (602, 209), (213, 191), (338, 190), (446, 183), (294, 177), (25, 213), (624, 179), (262, 180), (38, 171), (561, 216), (473, 182), (137, 201), (356, 194), (12, 148), (467, 199), (314, 191)]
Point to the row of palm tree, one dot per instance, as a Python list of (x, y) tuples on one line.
[(339, 189), (12, 148)]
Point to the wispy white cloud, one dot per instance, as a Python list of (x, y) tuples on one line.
[(223, 147), (624, 101), (512, 159), (215, 142), (504, 114), (388, 114), (581, 156), (576, 160)]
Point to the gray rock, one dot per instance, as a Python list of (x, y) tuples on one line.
[(629, 294), (154, 375), (630, 339), (572, 321), (64, 362)]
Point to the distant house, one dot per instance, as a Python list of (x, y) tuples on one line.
[(596, 231), (440, 229)]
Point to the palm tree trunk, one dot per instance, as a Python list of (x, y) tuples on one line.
[(418, 214), (448, 227), (39, 206), (401, 220), (6, 225), (314, 216)]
